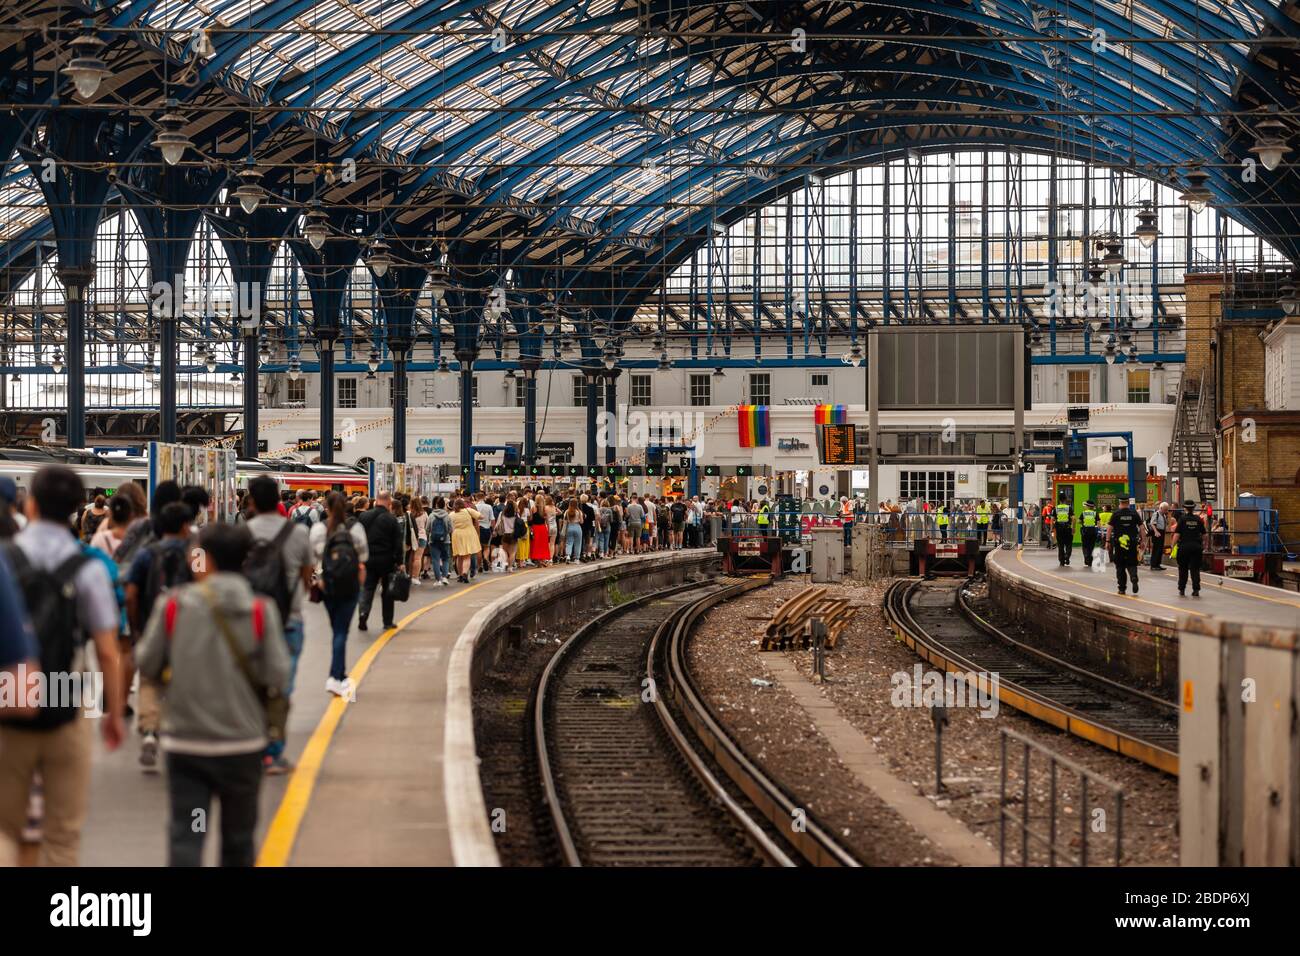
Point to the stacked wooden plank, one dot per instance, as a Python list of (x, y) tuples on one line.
[(792, 623)]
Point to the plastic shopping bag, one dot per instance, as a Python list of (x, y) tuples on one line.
[(1099, 561)]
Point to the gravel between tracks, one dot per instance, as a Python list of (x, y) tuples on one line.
[(774, 729), (502, 731)]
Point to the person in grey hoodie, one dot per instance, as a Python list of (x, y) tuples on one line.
[(439, 529), (214, 725)]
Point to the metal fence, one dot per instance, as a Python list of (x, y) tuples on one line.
[(1094, 817)]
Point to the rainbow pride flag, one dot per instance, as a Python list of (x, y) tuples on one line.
[(831, 415), (755, 426)]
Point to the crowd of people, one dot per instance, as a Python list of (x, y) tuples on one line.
[(197, 626)]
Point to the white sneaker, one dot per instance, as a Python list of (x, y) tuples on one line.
[(334, 687), (348, 689)]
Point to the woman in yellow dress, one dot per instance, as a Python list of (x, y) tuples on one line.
[(464, 538)]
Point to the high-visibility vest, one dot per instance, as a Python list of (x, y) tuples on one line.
[(982, 514), (762, 514), (1063, 513), (1089, 518), (1105, 517), (943, 518)]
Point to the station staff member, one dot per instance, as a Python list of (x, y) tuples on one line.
[(1088, 530), (941, 520), (1127, 537), (982, 522), (1064, 524), (1187, 547)]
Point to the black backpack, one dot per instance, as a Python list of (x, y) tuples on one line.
[(168, 567), (264, 569), (340, 566), (51, 599)]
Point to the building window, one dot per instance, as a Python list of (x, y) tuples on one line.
[(297, 391), (701, 391), (347, 393), (936, 487), (1139, 385), (760, 388), (821, 379), (580, 391), (641, 389), (1078, 387)]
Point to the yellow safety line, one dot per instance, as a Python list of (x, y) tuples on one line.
[(283, 831), (1111, 594)]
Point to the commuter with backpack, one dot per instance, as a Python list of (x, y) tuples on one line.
[(157, 568), (440, 542), (339, 547), (69, 600), (218, 645), (279, 566)]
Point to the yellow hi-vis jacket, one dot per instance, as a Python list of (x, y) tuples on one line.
[(1063, 513), (1089, 518), (942, 520), (982, 514), (762, 515)]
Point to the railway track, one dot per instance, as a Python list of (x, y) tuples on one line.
[(633, 766), (937, 622)]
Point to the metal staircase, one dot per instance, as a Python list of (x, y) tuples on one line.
[(1192, 449)]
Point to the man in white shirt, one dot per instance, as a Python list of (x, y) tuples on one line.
[(486, 517)]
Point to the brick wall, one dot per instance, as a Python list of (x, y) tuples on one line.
[(1241, 366), (1202, 311), (1268, 466)]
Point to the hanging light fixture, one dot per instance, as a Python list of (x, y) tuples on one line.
[(86, 70), (264, 353), (150, 373), (210, 360), (170, 141), (664, 365), (56, 361), (1196, 196), (295, 369), (248, 192), (1288, 301), (380, 257), (443, 364), (373, 363), (1113, 261), (315, 227), (1147, 230), (1108, 353), (439, 277), (1270, 142), (719, 373)]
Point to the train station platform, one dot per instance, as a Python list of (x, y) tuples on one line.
[(1158, 601), (385, 778)]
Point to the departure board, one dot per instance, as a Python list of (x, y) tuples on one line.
[(838, 445)]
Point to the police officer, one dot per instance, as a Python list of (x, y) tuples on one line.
[(1064, 532), (1188, 544), (1088, 531), (941, 519), (1127, 536)]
